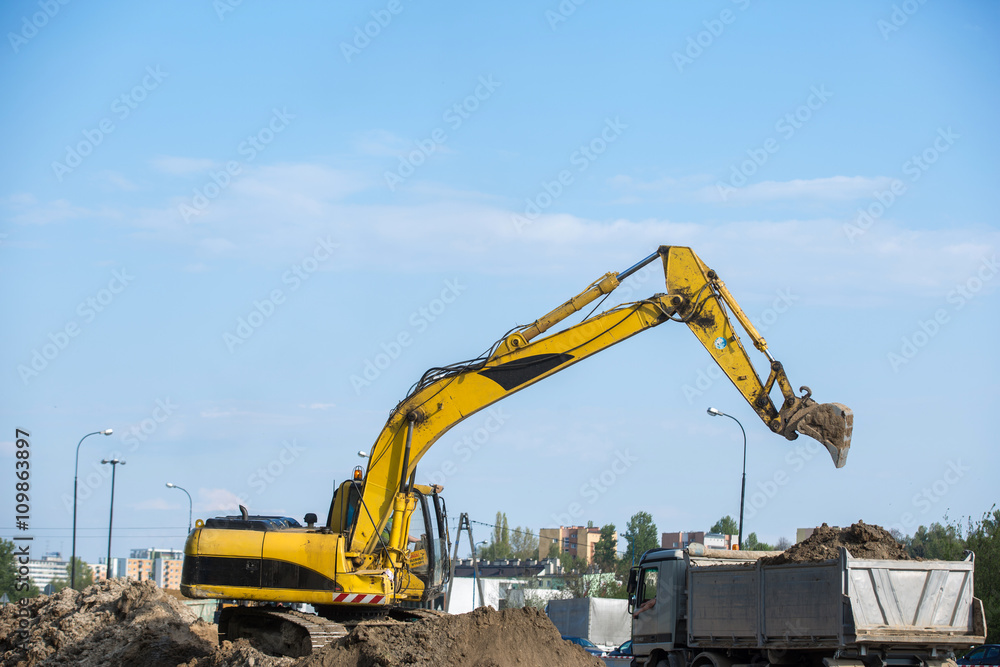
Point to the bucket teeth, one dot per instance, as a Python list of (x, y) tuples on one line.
[(830, 424)]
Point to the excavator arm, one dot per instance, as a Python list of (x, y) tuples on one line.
[(695, 296), (350, 569)]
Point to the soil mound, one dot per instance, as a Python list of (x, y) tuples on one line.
[(861, 541), (240, 654), (114, 623), (123, 623), (482, 638)]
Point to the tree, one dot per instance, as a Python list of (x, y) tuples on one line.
[(938, 542), (641, 535), (726, 526), (606, 549), (84, 577), (751, 543), (984, 540), (8, 574), (523, 543), (782, 543), (500, 547)]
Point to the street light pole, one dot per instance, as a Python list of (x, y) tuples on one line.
[(474, 569), (111, 517), (190, 503), (743, 488), (76, 469)]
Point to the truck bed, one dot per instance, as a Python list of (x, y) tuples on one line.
[(834, 603)]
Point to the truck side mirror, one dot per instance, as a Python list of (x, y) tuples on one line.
[(633, 579)]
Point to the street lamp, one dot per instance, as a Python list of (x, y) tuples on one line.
[(475, 568), (114, 466), (743, 488), (76, 468), (190, 502)]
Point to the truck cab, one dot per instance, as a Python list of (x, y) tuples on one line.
[(660, 576)]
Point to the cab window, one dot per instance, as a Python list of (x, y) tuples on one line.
[(649, 580)]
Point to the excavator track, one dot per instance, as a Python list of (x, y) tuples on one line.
[(285, 632), (279, 631)]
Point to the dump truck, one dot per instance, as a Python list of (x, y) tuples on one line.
[(699, 607)]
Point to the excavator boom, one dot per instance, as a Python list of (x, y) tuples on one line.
[(364, 560), (695, 296)]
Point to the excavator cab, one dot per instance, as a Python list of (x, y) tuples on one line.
[(425, 532), (429, 559)]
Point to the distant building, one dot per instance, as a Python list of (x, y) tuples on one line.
[(805, 533), (162, 566), (507, 569), (710, 540), (577, 541), (49, 567)]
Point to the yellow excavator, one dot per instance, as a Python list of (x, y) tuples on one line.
[(363, 562)]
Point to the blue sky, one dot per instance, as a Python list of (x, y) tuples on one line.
[(397, 200)]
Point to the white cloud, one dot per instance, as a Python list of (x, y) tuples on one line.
[(30, 212), (118, 180), (272, 216), (218, 500), (706, 189), (181, 165), (834, 188), (378, 143), (155, 504)]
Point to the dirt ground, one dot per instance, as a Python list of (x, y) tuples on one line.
[(482, 638), (114, 623), (861, 541), (126, 623)]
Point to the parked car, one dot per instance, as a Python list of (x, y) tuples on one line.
[(588, 646), (624, 650), (987, 654)]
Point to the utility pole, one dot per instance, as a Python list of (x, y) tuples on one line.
[(463, 524)]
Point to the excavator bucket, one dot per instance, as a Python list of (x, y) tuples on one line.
[(831, 424)]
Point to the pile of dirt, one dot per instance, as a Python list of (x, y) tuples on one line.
[(861, 541), (482, 638), (125, 623), (117, 622)]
